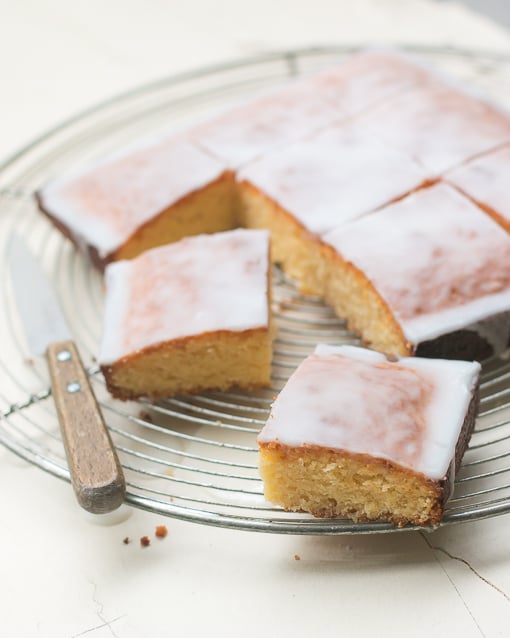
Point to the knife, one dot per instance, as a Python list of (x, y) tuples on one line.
[(96, 474)]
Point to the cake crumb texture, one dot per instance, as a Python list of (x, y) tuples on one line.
[(216, 361), (328, 484)]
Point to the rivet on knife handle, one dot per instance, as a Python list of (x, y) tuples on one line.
[(96, 473)]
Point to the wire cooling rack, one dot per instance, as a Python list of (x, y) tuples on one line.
[(196, 458)]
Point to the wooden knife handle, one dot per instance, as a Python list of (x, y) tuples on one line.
[(96, 474)]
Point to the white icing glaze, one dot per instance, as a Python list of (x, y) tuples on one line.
[(368, 79), (409, 412), (439, 125), (197, 285), (486, 181), (104, 204), (254, 129), (334, 176), (437, 260)]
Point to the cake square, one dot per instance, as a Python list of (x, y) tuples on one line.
[(427, 275), (264, 124), (151, 193), (314, 185), (485, 181), (354, 434), (189, 316), (439, 125), (307, 160)]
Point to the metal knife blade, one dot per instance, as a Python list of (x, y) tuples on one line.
[(96, 474), (36, 300)]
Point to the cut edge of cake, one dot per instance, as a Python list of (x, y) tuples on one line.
[(293, 247), (353, 296), (366, 284), (219, 360)]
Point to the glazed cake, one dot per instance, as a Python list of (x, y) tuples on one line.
[(312, 186), (256, 129), (150, 194), (356, 435), (429, 274), (485, 181), (391, 109), (160, 190), (305, 163), (439, 125), (190, 316)]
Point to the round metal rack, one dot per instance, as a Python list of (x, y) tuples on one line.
[(195, 458)]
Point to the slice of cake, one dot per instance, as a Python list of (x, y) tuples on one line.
[(427, 275), (354, 434), (150, 194), (190, 316), (485, 181), (440, 125), (312, 186)]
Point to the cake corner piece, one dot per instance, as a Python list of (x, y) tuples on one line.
[(189, 317), (356, 435)]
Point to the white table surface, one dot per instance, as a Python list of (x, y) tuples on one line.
[(63, 575)]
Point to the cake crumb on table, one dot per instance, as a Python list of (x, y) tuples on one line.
[(145, 416), (297, 557), (145, 541), (161, 531), (126, 540)]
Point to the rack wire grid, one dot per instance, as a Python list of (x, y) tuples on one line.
[(195, 458)]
